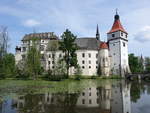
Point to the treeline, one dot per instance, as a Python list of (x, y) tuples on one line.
[(139, 64), (31, 66)]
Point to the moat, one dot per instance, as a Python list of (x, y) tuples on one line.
[(70, 96)]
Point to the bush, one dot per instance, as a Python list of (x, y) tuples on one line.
[(93, 77), (78, 77)]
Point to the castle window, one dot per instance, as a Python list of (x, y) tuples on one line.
[(113, 44), (90, 101), (96, 62), (53, 55), (53, 67), (114, 54), (49, 62), (96, 55), (89, 66), (52, 62), (89, 61), (83, 94), (49, 55), (121, 33), (83, 55), (96, 67), (124, 44), (60, 55), (90, 94), (83, 61), (83, 101), (83, 67), (42, 47), (89, 55), (113, 35), (23, 49), (126, 35)]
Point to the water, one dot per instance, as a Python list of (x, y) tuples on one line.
[(95, 96)]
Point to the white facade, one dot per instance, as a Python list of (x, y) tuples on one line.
[(113, 59), (118, 50)]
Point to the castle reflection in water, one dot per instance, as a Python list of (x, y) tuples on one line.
[(110, 98)]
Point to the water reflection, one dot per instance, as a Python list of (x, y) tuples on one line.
[(106, 98)]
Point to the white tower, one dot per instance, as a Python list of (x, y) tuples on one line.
[(104, 61), (118, 46)]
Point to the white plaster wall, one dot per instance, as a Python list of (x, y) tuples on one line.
[(118, 52)]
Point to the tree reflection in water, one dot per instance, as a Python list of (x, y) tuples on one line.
[(113, 97)]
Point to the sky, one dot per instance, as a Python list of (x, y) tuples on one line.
[(80, 16)]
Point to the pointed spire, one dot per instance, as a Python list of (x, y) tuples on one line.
[(117, 24), (97, 33)]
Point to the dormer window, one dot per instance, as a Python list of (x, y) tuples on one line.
[(113, 35)]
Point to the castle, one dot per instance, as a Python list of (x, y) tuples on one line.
[(110, 57)]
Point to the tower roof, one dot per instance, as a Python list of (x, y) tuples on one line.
[(103, 45), (117, 25)]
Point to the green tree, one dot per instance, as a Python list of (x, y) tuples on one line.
[(69, 47), (53, 46), (33, 63), (7, 65), (147, 65), (135, 64)]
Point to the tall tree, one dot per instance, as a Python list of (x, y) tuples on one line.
[(3, 41), (33, 63), (69, 47)]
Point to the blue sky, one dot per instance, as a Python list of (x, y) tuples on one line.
[(80, 16)]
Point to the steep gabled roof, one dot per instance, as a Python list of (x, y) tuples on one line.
[(117, 25)]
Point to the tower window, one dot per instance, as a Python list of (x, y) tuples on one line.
[(82, 67), (113, 44), (113, 35), (96, 55), (121, 33), (126, 35), (89, 66), (124, 44)]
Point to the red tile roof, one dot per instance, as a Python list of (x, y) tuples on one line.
[(103, 45), (117, 27)]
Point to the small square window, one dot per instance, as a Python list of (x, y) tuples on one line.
[(113, 35), (83, 67), (121, 33), (90, 67), (113, 44)]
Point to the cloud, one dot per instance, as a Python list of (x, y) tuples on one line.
[(31, 23), (143, 35)]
